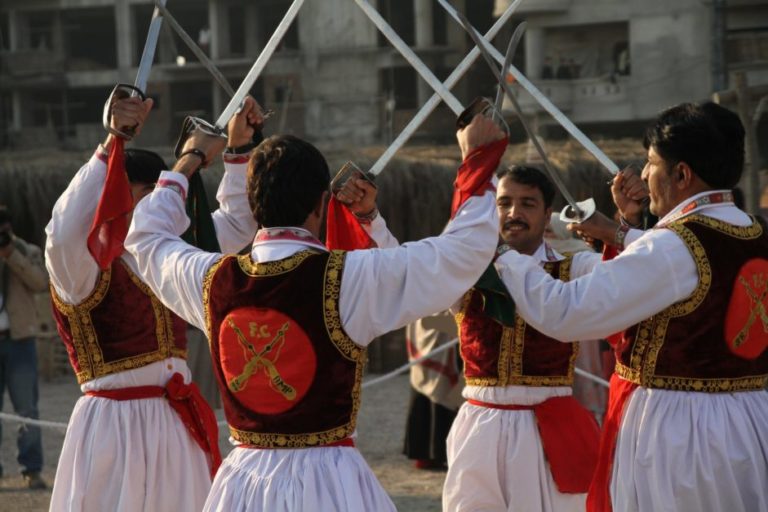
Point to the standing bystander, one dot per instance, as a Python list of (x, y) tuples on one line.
[(22, 274)]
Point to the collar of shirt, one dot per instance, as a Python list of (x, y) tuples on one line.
[(676, 212), (546, 253), (277, 243)]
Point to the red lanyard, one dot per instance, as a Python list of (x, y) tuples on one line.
[(711, 199), (287, 235)]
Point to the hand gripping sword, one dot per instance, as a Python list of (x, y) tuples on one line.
[(139, 86), (219, 127)]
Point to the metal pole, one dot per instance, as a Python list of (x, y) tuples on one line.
[(752, 194)]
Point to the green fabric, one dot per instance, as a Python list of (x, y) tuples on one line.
[(201, 232), (497, 303)]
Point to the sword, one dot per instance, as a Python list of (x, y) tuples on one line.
[(220, 126), (142, 75), (199, 53), (435, 99), (501, 76), (547, 105), (517, 35)]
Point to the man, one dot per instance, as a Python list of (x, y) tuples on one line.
[(503, 451), (141, 438), (22, 274), (688, 416), (289, 323)]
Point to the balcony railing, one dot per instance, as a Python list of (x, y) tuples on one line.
[(582, 93), (27, 63)]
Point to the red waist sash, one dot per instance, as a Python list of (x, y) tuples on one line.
[(569, 434), (342, 442), (599, 496), (195, 413)]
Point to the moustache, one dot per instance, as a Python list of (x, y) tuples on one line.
[(511, 223)]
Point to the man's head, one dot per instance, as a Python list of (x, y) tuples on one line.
[(6, 231), (287, 183), (143, 168), (524, 201), (692, 148)]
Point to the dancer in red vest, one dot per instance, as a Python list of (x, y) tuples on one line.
[(141, 429), (289, 323), (687, 422)]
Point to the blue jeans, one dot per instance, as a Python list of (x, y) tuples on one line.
[(18, 373)]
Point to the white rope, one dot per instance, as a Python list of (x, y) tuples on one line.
[(37, 423), (401, 369)]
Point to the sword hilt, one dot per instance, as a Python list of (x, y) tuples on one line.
[(120, 92)]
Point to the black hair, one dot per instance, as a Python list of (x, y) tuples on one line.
[(707, 137), (5, 215), (143, 166), (533, 178), (286, 178)]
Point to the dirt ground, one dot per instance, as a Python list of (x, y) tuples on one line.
[(380, 436)]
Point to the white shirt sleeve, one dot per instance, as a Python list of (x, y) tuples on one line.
[(173, 269), (384, 289), (72, 269), (584, 262), (380, 233), (654, 272), (234, 222)]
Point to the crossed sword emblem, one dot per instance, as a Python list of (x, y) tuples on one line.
[(758, 309), (260, 361)]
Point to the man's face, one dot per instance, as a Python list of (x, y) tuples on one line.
[(657, 173), (522, 215)]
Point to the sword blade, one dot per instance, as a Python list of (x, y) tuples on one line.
[(410, 56), (517, 35), (501, 77), (199, 53), (150, 45), (547, 105), (259, 65), (430, 105)]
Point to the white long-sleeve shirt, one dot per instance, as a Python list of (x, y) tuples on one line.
[(381, 289), (73, 270), (655, 271)]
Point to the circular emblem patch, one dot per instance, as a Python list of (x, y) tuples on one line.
[(267, 359), (746, 323)]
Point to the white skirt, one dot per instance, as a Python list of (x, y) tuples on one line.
[(130, 456), (496, 460), (685, 451), (333, 479)]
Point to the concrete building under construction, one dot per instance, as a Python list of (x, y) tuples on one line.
[(336, 79)]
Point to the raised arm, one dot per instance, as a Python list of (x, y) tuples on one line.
[(234, 222), (71, 267), (653, 273), (384, 289)]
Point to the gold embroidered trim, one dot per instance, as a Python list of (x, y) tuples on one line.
[(750, 232), (273, 268), (659, 322), (331, 290), (85, 339), (207, 280), (513, 361), (522, 380), (565, 276), (751, 383)]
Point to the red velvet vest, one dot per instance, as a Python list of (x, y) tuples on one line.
[(288, 373), (495, 355), (120, 326), (716, 340)]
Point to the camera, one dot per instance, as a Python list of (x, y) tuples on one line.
[(5, 239)]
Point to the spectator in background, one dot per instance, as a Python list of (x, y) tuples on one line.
[(22, 274), (546, 70), (436, 385), (564, 71)]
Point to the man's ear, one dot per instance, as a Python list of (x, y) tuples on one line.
[(320, 206), (684, 174)]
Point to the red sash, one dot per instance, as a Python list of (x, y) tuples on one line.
[(599, 496), (569, 434), (189, 404)]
